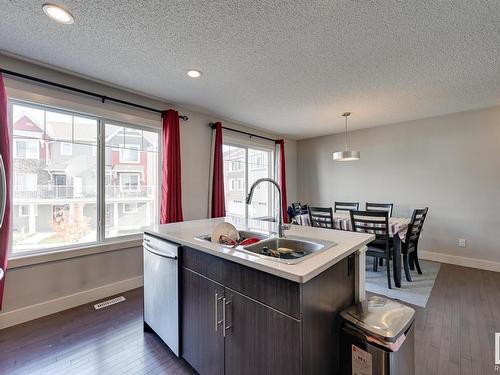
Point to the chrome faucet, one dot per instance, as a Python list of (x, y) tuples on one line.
[(281, 227)]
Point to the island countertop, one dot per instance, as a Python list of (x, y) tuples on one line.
[(185, 233)]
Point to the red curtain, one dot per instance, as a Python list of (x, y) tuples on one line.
[(282, 178), (171, 198), (5, 153), (218, 200)]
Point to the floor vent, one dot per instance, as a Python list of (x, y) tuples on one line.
[(109, 302)]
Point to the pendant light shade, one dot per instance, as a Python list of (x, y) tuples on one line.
[(346, 155)]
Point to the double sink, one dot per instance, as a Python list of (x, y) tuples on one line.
[(289, 250)]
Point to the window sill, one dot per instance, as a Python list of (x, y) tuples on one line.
[(18, 261)]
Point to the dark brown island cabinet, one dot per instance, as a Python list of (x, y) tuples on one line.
[(238, 320)]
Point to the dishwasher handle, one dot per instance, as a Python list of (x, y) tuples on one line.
[(155, 251)]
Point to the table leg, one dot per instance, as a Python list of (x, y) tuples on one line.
[(396, 262)]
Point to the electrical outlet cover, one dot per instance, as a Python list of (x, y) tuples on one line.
[(462, 242)]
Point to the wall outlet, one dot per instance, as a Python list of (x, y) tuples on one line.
[(462, 242)]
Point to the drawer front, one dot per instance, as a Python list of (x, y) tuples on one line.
[(276, 292)]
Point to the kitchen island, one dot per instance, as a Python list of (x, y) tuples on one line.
[(246, 313)]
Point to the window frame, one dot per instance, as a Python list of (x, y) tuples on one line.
[(99, 146)]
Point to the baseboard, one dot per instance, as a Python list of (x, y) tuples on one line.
[(460, 261), (24, 314)]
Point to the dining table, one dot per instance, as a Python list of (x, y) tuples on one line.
[(398, 227)]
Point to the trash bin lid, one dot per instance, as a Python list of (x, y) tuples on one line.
[(380, 317)]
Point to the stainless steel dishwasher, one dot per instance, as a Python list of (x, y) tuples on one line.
[(161, 290)]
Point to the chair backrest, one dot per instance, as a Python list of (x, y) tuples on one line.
[(346, 206), (374, 222), (416, 224), (321, 217), (296, 207), (379, 207)]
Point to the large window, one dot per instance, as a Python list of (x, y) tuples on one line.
[(243, 165), (62, 161)]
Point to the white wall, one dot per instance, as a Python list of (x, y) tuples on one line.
[(449, 163), (63, 283)]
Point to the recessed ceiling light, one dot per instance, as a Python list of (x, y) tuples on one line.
[(194, 73), (58, 13)]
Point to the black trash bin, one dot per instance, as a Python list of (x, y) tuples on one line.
[(377, 338)]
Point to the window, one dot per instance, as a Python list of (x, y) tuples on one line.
[(56, 172), (25, 181), (66, 149), (129, 208), (59, 179), (24, 211), (236, 165), (26, 149), (129, 154), (257, 162), (129, 181), (243, 165)]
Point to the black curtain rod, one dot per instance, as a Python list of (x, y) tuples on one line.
[(103, 98), (212, 125)]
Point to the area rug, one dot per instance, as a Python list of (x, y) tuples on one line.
[(417, 292)]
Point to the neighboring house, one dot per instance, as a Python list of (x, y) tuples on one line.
[(54, 179)]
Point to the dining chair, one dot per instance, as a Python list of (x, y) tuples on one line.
[(377, 223), (379, 207), (321, 217), (296, 206), (410, 245), (346, 206)]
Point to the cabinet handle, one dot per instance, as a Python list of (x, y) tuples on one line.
[(216, 303), (225, 302)]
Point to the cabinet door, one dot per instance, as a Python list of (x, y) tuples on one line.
[(259, 340), (202, 336)]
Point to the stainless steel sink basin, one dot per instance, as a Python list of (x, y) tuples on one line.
[(301, 248), (243, 234), (292, 249)]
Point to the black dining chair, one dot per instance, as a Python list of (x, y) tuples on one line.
[(379, 207), (321, 217), (377, 223), (409, 248), (346, 206)]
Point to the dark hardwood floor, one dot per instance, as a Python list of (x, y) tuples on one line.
[(88, 341), (454, 334)]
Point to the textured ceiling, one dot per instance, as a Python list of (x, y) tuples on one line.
[(287, 66)]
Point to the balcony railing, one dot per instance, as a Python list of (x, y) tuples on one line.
[(117, 191), (42, 192)]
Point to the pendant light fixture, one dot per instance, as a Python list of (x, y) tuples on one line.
[(347, 155)]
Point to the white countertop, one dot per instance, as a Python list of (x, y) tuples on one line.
[(184, 233)]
